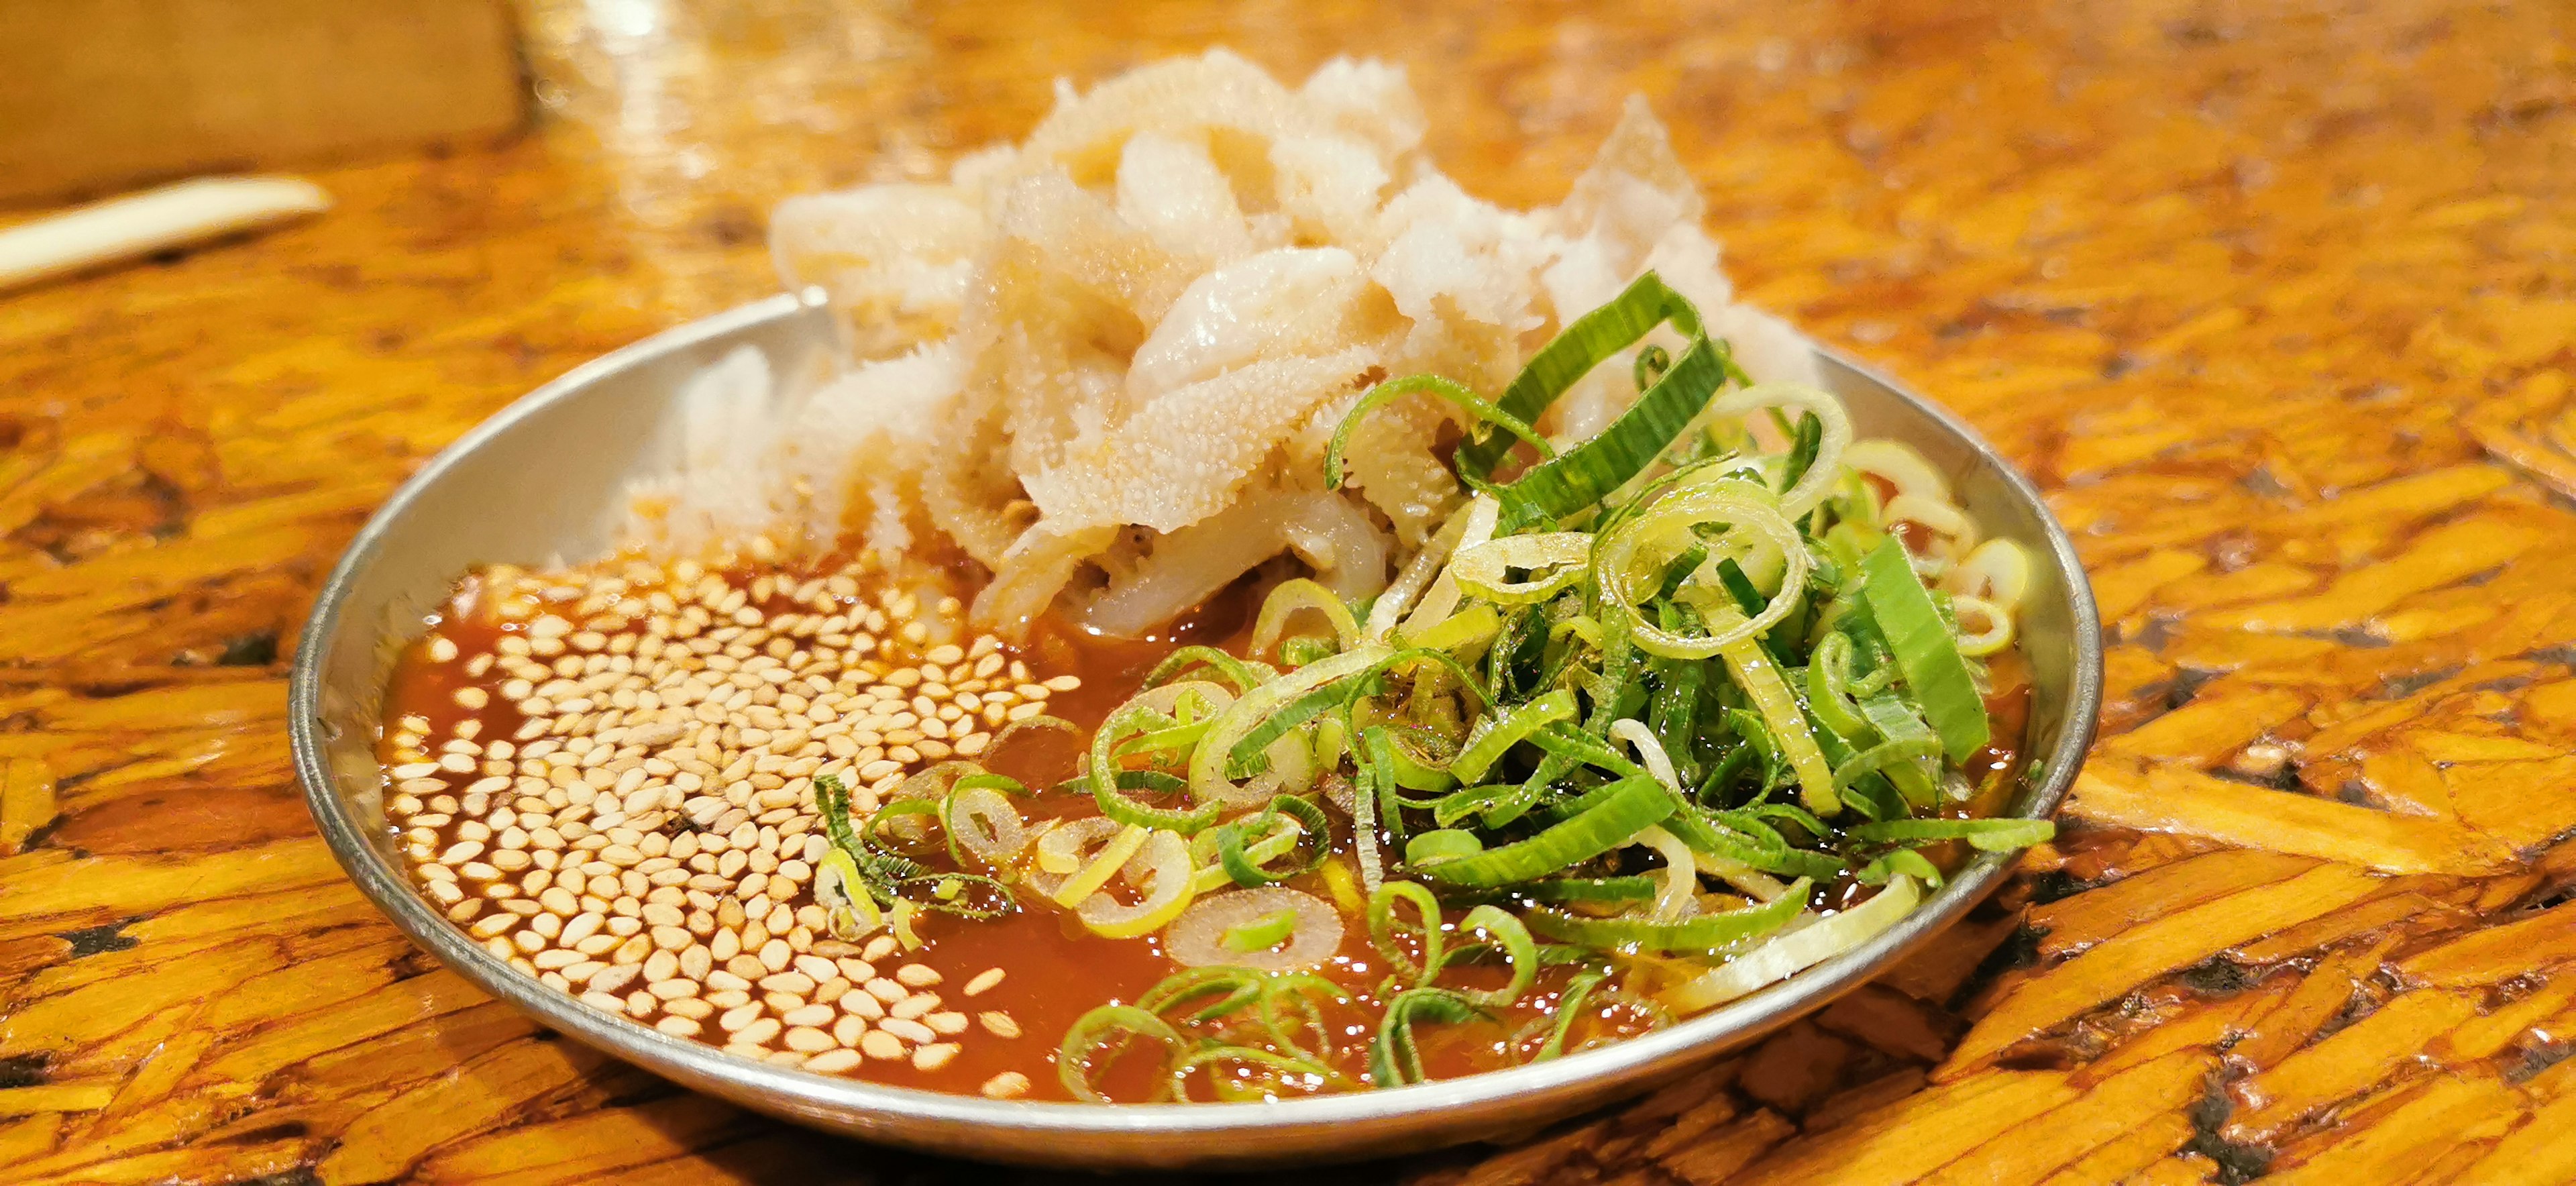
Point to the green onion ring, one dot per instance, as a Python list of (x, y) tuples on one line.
[(1287, 600), (1244, 676), (1447, 389), (1207, 775), (1384, 928), (1098, 1030), (1482, 570), (1627, 578)]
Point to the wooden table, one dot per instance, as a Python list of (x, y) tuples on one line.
[(2275, 299)]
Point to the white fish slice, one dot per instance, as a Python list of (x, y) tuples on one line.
[(155, 220)]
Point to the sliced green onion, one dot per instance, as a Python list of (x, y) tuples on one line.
[(1245, 865), (848, 910), (1173, 883), (1447, 389), (1805, 441), (1462, 631), (1241, 674), (1494, 736), (1111, 858), (1208, 780), (1581, 476), (1583, 344), (1429, 561), (1298, 652), (1828, 685), (1885, 755), (1631, 806), (1985, 835), (1301, 595), (1794, 952), (1442, 845), (1588, 889), (1484, 569), (1262, 933), (1892, 718), (1395, 1059), (1376, 757), (1103, 1034), (1583, 747), (1506, 933), (1900, 862), (1440, 598), (1702, 933), (1385, 928), (1499, 803), (1760, 678), (1107, 779), (1833, 436), (1569, 1005), (1629, 572), (1250, 754), (1925, 651), (1995, 636)]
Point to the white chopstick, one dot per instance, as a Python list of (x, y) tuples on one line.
[(151, 221)]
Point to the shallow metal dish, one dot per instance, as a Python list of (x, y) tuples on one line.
[(540, 483)]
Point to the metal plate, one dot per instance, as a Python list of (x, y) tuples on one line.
[(541, 483)]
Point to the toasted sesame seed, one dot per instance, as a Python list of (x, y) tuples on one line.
[(832, 1061), (910, 1031), (858, 1002), (880, 1045), (1007, 1085), (654, 696), (914, 1005), (934, 1056)]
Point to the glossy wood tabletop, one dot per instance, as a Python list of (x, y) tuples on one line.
[(2274, 298)]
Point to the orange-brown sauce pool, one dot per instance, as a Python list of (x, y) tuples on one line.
[(1054, 970)]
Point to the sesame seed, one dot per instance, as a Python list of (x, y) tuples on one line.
[(642, 832), (910, 1031), (832, 1061), (934, 1056), (1007, 1085), (880, 1045)]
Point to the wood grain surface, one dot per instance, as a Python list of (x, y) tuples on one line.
[(2274, 298)]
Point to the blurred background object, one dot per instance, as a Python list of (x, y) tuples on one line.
[(152, 221), (96, 95)]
